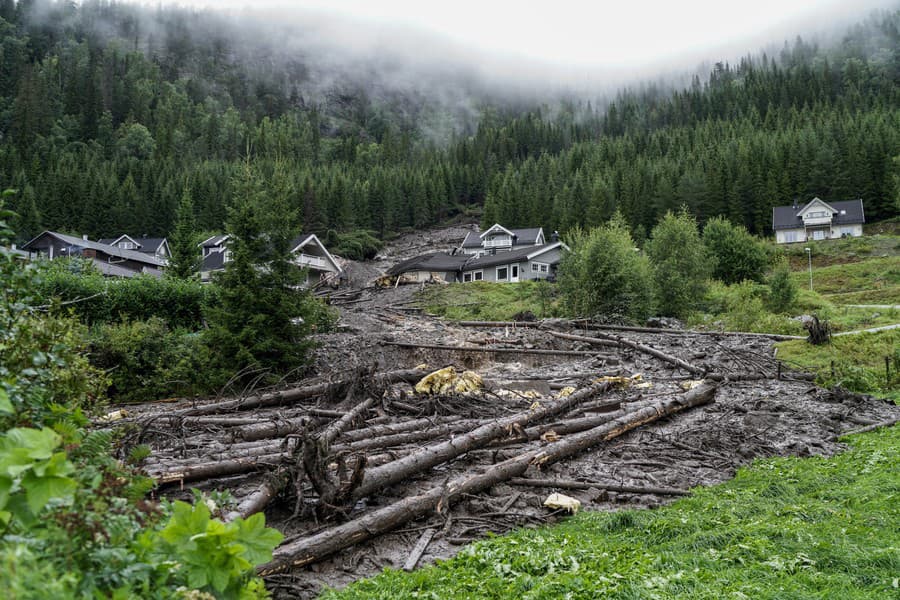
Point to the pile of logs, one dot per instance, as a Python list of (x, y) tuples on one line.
[(355, 460)]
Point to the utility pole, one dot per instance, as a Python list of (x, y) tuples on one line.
[(809, 260)]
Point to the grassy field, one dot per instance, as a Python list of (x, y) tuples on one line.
[(858, 360), (782, 528), (870, 275), (483, 301)]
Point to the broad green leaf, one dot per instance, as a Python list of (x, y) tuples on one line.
[(5, 404), (39, 443), (258, 540), (5, 486), (39, 490)]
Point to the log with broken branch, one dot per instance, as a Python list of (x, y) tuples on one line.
[(481, 349), (310, 549), (673, 360)]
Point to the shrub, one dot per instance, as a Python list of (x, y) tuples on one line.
[(739, 255), (95, 299), (682, 264), (782, 289), (605, 275), (146, 360), (353, 245)]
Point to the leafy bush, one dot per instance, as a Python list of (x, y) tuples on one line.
[(782, 289), (354, 245), (604, 275), (739, 255), (95, 299), (682, 264), (147, 360)]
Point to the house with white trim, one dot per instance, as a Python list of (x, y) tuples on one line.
[(818, 220), (497, 255), (158, 247), (110, 260), (308, 251), (498, 238)]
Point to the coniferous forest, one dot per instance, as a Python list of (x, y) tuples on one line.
[(110, 113)]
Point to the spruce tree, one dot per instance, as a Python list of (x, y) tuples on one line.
[(183, 243)]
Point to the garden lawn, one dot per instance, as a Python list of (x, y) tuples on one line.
[(783, 528)]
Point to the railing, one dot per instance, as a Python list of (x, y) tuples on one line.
[(312, 261), (501, 243), (817, 221)]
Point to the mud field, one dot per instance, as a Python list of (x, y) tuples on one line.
[(361, 472)]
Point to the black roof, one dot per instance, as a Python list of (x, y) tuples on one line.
[(504, 257), (435, 261), (213, 261), (847, 212), (214, 241), (523, 236)]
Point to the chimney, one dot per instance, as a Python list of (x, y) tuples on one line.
[(554, 237), (84, 237)]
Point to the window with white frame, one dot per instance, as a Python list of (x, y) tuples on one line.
[(502, 273), (478, 275), (467, 277), (790, 236)]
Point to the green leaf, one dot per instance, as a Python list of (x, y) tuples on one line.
[(258, 540), (39, 490), (5, 404), (5, 486)]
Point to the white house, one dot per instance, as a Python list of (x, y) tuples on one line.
[(818, 220)]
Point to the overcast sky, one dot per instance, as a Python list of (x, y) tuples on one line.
[(610, 35)]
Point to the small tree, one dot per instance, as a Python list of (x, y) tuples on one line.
[(782, 289), (739, 255), (605, 275), (185, 257), (262, 313), (681, 263)]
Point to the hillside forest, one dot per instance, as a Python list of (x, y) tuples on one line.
[(112, 112)]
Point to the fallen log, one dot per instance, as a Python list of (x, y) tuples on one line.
[(374, 431), (335, 429), (569, 484), (872, 427), (257, 500), (289, 396), (738, 376), (408, 437), (694, 370), (419, 549), (583, 324), (310, 549), (222, 468), (380, 477), (536, 351)]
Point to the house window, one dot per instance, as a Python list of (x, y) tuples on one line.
[(790, 236), (478, 275), (818, 234), (126, 245), (227, 257), (846, 231), (502, 273), (467, 277)]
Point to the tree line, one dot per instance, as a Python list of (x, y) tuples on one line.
[(107, 122)]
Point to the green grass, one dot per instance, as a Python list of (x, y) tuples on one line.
[(782, 528), (847, 250), (872, 274), (482, 301), (858, 361)]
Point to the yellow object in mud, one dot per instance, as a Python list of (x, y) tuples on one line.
[(637, 380), (566, 391), (690, 384), (556, 500), (446, 381)]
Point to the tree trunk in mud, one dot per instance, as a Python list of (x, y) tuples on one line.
[(308, 550)]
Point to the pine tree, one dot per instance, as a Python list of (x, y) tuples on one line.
[(183, 243)]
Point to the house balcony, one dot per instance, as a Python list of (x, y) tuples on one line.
[(817, 221), (308, 260), (501, 243)]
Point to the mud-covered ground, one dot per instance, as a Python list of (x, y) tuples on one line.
[(700, 446)]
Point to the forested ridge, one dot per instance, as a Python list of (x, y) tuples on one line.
[(110, 112)]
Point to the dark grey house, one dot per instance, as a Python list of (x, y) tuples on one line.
[(112, 261), (308, 251), (158, 247), (500, 239), (818, 220)]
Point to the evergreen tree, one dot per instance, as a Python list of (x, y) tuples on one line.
[(183, 241), (262, 314)]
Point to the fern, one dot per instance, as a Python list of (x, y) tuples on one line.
[(96, 445)]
